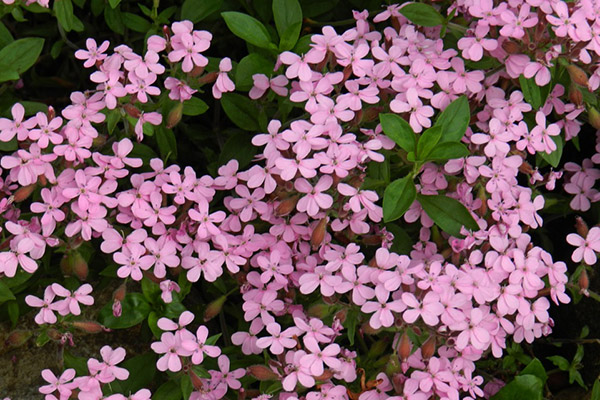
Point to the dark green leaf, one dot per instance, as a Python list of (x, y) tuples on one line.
[(428, 140), (79, 364), (397, 129), (168, 391), (135, 309), (253, 63), (114, 20), (398, 197), (554, 157), (5, 35), (114, 3), (153, 324), (56, 49), (18, 57), (194, 106), (167, 144), (448, 151), (534, 94), (448, 213), (536, 368), (112, 118), (350, 323), (5, 293), (523, 387), (248, 28), (11, 145), (596, 390), (186, 386), (140, 375), (403, 243), (97, 7), (12, 308), (197, 10), (64, 13), (288, 20), (454, 120), (240, 147), (136, 23), (422, 14), (241, 110), (213, 339)]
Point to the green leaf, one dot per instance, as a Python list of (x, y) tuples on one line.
[(397, 129), (448, 151), (153, 324), (136, 23), (114, 20), (114, 3), (523, 387), (350, 323), (97, 7), (253, 63), (168, 391), (536, 368), (241, 110), (422, 14), (79, 364), (112, 118), (288, 20), (194, 106), (448, 213), (5, 35), (428, 140), (18, 57), (167, 143), (64, 13), (398, 197), (240, 147), (197, 10), (140, 375), (150, 289), (56, 49), (5, 293), (12, 309), (403, 243), (11, 145), (248, 28), (135, 310), (554, 157), (213, 339), (596, 390), (534, 94), (454, 120)]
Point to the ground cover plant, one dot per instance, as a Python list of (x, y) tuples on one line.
[(299, 200)]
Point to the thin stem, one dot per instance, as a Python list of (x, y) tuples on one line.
[(64, 37)]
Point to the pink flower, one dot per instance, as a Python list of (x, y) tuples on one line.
[(46, 314), (278, 341), (223, 83), (60, 383), (93, 53), (586, 248), (419, 114), (170, 346), (18, 127), (72, 299), (314, 360), (198, 346), (315, 199), (382, 308)]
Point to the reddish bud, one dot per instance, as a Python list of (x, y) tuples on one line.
[(24, 192), (51, 113), (510, 47), (132, 110), (575, 95), (89, 326), (196, 381), (120, 292), (368, 329), (578, 76), (196, 71), (208, 78), (214, 308), (99, 141), (341, 315), (117, 309), (404, 347), (581, 227), (318, 233), (175, 115), (80, 266), (17, 338), (54, 334), (262, 373), (428, 348), (286, 206), (325, 376), (318, 311)]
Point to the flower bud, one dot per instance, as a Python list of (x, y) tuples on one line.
[(575, 95), (175, 115), (581, 227), (341, 315), (24, 192), (120, 292), (404, 347), (262, 373), (88, 326), (318, 233), (577, 75), (392, 366), (325, 376), (286, 206), (132, 110), (594, 117), (368, 329), (214, 308), (428, 348), (208, 78), (318, 311), (17, 338), (510, 47), (80, 266), (54, 334), (196, 381), (51, 113), (99, 141), (117, 310)]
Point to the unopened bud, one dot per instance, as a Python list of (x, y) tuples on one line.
[(17, 338), (132, 110), (510, 47), (208, 78), (577, 75), (99, 141), (392, 366), (196, 381), (120, 292), (286, 206), (318, 311), (117, 309), (318, 233), (368, 329), (175, 115), (51, 113), (325, 376), (404, 347), (584, 282), (196, 71), (341, 315), (54, 334), (581, 227), (80, 266), (24, 192), (214, 308), (575, 95), (428, 348), (594, 117), (89, 326), (262, 373)]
